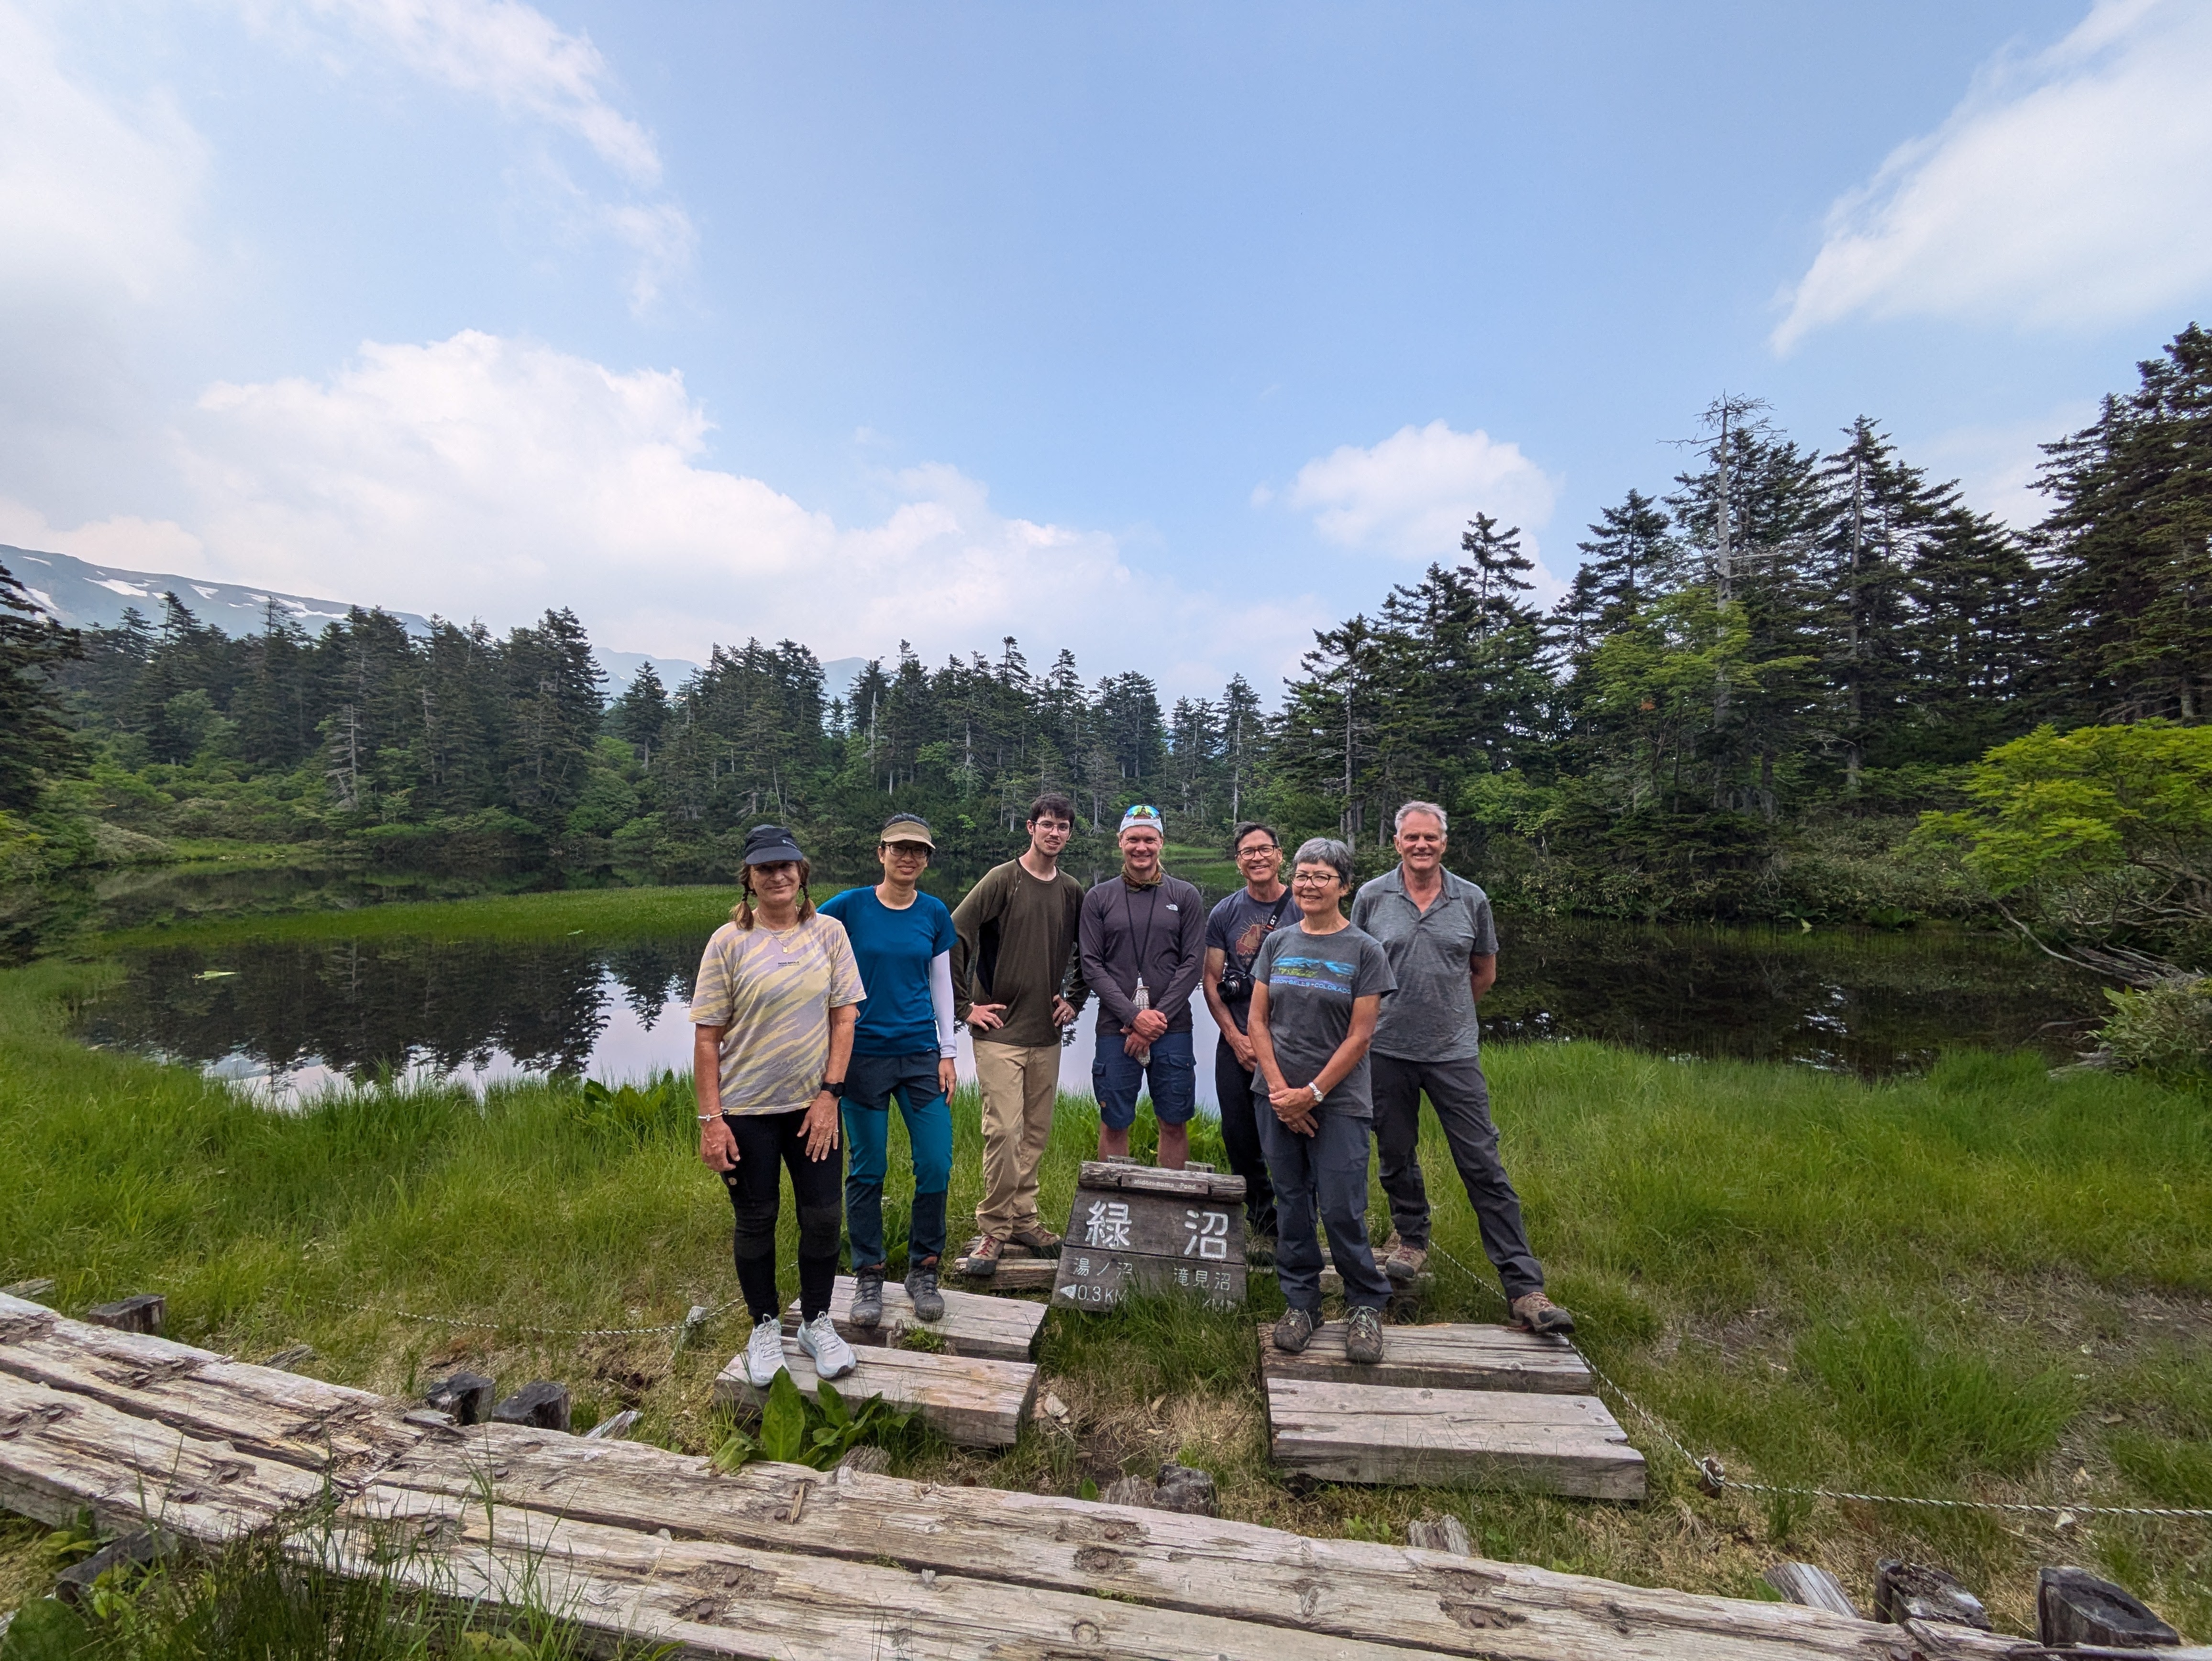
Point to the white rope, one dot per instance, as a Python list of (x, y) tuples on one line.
[(1715, 1479), (516, 1326)]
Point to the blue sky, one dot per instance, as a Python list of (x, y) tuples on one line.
[(1167, 333)]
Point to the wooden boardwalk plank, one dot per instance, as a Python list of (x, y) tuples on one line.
[(1014, 1567), (1152, 1179), (1442, 1357), (1433, 1602), (264, 1411), (61, 1451), (718, 1599), (976, 1402), (1375, 1433), (995, 1328)]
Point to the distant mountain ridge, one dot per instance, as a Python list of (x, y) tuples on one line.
[(88, 596)]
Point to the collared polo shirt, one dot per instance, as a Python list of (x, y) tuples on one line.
[(1431, 1017)]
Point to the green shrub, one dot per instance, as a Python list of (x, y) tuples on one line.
[(2164, 1029)]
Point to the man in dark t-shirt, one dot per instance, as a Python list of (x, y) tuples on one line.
[(1236, 929)]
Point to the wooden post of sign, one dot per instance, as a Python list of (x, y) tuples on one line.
[(1138, 1228)]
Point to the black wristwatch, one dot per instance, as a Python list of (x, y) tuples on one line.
[(835, 1087)]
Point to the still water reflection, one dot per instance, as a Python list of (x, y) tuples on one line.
[(287, 1017)]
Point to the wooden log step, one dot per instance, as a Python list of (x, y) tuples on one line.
[(264, 1411), (976, 1402), (1189, 1183), (1440, 1357), (1429, 1602), (1508, 1439), (995, 1328), (714, 1599)]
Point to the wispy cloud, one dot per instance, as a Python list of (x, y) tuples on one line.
[(2073, 187), (531, 70), (1412, 495)]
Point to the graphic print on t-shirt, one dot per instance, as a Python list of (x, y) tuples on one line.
[(1315, 974)]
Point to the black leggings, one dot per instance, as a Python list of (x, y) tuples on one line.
[(767, 1144)]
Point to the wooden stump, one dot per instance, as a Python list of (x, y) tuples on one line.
[(466, 1396), (1138, 1229), (1918, 1591), (1440, 1534), (2073, 1606), (146, 1313), (544, 1404)]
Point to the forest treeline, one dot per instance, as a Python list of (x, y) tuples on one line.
[(1765, 669)]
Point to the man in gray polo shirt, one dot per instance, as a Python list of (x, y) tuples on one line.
[(1443, 947)]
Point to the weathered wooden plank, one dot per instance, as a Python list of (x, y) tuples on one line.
[(1426, 1601), (1152, 1179), (1099, 1279), (1808, 1583), (263, 1411), (1189, 1227), (719, 1599), (1445, 1357), (995, 1328), (1014, 1274), (966, 1399), (1374, 1434), (61, 1452)]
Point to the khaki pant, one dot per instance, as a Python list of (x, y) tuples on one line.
[(1020, 1083)]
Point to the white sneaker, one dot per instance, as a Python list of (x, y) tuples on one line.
[(764, 1354), (833, 1356)]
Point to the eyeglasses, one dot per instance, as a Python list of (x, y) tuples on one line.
[(1267, 847), (1304, 880), (908, 851)]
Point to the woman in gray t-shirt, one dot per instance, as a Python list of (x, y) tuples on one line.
[(1317, 990)]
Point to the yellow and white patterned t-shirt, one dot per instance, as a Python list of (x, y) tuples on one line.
[(772, 993)]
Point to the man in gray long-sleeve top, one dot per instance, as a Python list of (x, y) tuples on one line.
[(1143, 942)]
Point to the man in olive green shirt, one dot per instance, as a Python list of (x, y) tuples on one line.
[(1016, 981)]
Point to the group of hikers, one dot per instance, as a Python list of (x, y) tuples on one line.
[(1334, 1027)]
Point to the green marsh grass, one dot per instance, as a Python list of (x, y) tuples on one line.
[(1987, 1282)]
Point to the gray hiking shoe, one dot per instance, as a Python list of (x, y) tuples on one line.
[(867, 1298), (1363, 1341), (1294, 1331), (922, 1287), (1537, 1313), (1403, 1264)]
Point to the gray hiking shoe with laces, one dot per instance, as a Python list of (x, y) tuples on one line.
[(921, 1287), (1363, 1341), (867, 1298), (1294, 1331)]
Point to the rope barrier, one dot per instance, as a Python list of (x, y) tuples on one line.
[(696, 1319), (1714, 1479)]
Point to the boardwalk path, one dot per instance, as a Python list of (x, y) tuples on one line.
[(780, 1561)]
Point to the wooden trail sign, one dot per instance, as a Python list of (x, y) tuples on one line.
[(1137, 1228)]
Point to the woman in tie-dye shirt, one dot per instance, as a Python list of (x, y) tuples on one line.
[(774, 1010)]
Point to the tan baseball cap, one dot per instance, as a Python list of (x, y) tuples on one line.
[(904, 827)]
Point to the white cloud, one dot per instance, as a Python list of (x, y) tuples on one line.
[(481, 476), (1412, 495), (2071, 188)]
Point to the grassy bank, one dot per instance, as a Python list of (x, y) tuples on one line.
[(1983, 1283)]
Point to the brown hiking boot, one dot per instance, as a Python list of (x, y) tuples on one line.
[(1294, 1331), (1403, 1264), (1037, 1238), (982, 1260), (1534, 1312), (1363, 1336)]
